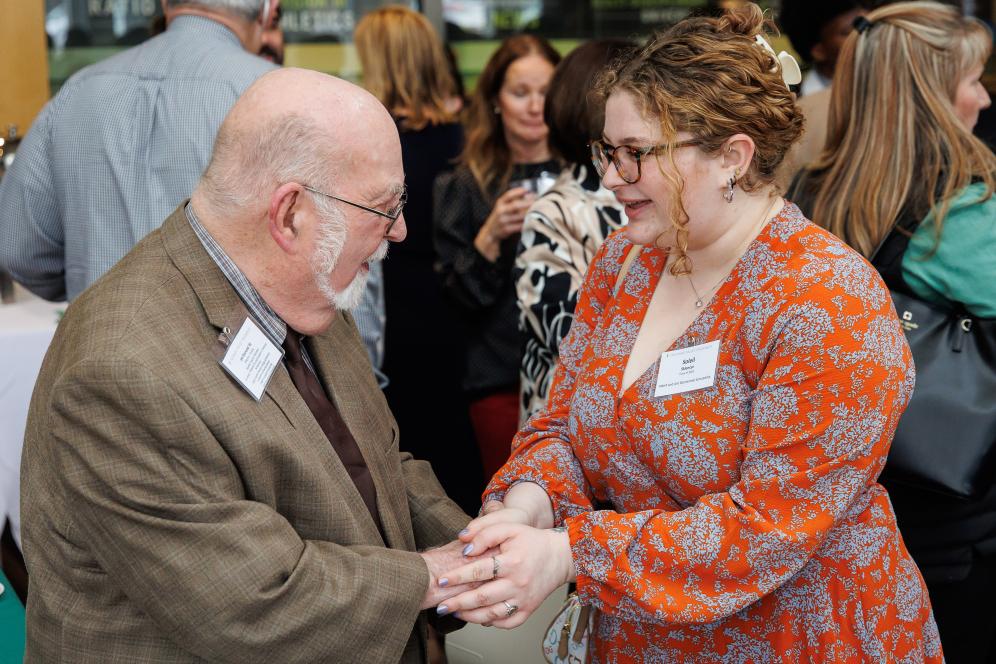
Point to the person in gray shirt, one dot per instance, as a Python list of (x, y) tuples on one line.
[(122, 145)]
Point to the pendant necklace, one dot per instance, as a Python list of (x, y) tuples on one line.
[(700, 299)]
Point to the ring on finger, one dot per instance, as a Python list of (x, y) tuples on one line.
[(509, 608), (495, 567)]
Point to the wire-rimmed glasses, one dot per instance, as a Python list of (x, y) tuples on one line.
[(391, 214)]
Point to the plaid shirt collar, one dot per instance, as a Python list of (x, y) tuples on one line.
[(269, 322)]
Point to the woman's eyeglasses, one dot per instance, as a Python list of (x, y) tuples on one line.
[(626, 158)]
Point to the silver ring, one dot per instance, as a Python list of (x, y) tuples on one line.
[(495, 567), (509, 608)]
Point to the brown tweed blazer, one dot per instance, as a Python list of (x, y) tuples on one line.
[(169, 517)]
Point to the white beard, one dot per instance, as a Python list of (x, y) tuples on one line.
[(324, 262)]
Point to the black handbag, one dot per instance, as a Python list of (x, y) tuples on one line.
[(946, 439)]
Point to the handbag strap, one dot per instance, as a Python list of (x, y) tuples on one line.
[(624, 269)]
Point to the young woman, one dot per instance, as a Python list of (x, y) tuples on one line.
[(902, 169), (478, 217), (709, 451)]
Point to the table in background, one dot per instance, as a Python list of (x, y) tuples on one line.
[(26, 329)]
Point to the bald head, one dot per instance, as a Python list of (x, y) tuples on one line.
[(296, 125), (335, 104)]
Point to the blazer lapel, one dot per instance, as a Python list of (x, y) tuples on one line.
[(344, 367), (226, 312)]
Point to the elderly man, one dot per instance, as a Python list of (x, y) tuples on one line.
[(192, 492), (123, 143)]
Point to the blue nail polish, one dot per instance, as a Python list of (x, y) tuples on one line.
[(463, 532), (442, 610), (467, 549), (444, 582)]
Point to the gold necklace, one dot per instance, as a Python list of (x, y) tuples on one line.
[(699, 299)]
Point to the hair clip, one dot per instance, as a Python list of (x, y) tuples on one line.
[(862, 25), (791, 73)]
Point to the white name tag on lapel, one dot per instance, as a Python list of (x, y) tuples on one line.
[(251, 358), (687, 369)]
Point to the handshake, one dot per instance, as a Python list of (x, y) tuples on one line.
[(500, 569)]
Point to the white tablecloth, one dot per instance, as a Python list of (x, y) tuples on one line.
[(26, 329)]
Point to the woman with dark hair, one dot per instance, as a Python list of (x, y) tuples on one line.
[(477, 222), (705, 467), (901, 169), (405, 66), (567, 225)]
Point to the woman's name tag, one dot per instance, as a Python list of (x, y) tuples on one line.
[(687, 369)]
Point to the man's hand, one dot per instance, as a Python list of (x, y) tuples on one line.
[(530, 563), (438, 561)]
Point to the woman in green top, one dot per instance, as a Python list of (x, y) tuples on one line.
[(902, 171)]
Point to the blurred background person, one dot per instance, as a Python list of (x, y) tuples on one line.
[(477, 219), (901, 166), (405, 67), (564, 228), (272, 48), (123, 143), (817, 31), (744, 520)]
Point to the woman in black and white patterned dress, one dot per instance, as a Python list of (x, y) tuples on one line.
[(566, 226)]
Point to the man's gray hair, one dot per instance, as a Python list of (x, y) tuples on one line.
[(247, 9), (249, 163)]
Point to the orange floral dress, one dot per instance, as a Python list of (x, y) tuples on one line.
[(745, 523)]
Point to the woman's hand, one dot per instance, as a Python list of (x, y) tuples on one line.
[(494, 512), (504, 221), (529, 565)]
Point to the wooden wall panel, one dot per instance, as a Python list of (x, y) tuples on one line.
[(23, 64)]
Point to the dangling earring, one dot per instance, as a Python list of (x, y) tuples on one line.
[(497, 109), (728, 195)]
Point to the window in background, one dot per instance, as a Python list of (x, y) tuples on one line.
[(319, 33)]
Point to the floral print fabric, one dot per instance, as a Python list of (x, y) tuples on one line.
[(747, 524)]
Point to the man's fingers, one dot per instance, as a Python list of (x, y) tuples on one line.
[(477, 598)]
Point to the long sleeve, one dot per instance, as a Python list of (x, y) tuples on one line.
[(32, 237), (225, 576), (459, 211), (541, 451)]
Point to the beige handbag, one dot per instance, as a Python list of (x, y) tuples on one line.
[(566, 639)]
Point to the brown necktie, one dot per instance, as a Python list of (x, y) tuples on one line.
[(328, 417)]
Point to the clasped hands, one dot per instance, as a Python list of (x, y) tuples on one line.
[(499, 570)]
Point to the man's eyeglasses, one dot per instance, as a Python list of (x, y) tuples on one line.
[(391, 214), (626, 158)]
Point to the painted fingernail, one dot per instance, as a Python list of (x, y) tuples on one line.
[(467, 549), (463, 532), (444, 582), (442, 610)]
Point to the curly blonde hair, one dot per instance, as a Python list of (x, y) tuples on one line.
[(708, 77)]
